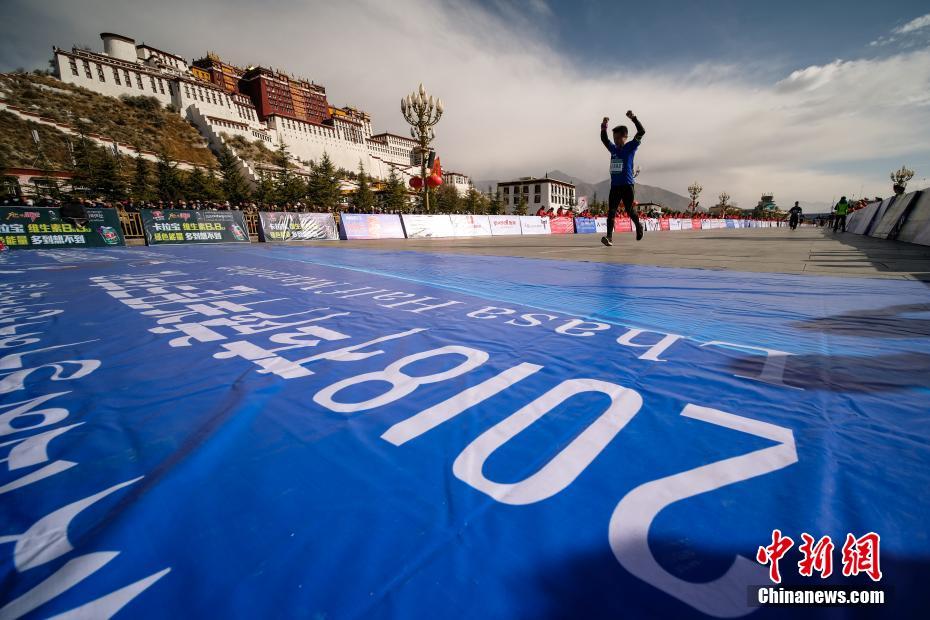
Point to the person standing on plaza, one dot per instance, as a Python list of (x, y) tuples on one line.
[(795, 215), (622, 153), (839, 214)]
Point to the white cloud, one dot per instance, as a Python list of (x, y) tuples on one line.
[(918, 23), (906, 32), (515, 106)]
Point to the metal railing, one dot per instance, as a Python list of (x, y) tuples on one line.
[(132, 225), (251, 222)]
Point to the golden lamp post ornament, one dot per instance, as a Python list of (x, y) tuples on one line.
[(422, 112), (694, 190), (899, 179)]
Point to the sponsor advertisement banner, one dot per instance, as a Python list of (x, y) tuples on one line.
[(562, 225), (685, 223), (623, 224), (587, 225), (504, 224), (284, 226), (697, 223), (43, 227), (665, 223), (371, 226), (675, 223), (600, 224), (534, 225), (732, 224), (428, 226), (651, 223), (174, 226), (471, 225)]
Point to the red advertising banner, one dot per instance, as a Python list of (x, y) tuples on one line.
[(623, 224), (696, 223), (664, 223), (562, 226)]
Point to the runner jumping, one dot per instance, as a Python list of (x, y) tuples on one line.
[(621, 173)]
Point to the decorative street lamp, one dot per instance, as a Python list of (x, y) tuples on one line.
[(724, 199), (694, 190), (422, 112), (899, 179)]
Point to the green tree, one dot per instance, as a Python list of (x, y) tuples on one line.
[(195, 186), (107, 180), (212, 190), (520, 209), (85, 163), (265, 188), (168, 182), (140, 189), (232, 185), (287, 186), (364, 197), (395, 194), (447, 199), (474, 202), (495, 205), (324, 189)]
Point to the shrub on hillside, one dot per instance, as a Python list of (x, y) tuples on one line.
[(142, 102)]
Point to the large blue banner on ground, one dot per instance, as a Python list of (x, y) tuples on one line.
[(254, 432)]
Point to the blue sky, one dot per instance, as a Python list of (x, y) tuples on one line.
[(807, 99), (771, 36)]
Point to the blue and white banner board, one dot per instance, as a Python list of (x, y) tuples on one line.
[(471, 225), (370, 226), (283, 226), (428, 226), (504, 224), (534, 225), (587, 225)]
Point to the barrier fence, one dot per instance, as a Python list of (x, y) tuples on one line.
[(904, 217), (160, 226)]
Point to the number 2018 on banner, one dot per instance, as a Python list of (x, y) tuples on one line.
[(634, 514)]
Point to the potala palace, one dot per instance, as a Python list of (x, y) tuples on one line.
[(257, 103)]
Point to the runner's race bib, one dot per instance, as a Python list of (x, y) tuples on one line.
[(616, 166)]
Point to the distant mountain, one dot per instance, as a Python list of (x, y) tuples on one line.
[(644, 193)]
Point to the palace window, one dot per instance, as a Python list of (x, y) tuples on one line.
[(116, 76), (100, 73), (128, 81), (87, 69), (139, 81), (73, 63)]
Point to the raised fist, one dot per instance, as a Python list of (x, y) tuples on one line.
[(629, 114), (606, 119)]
